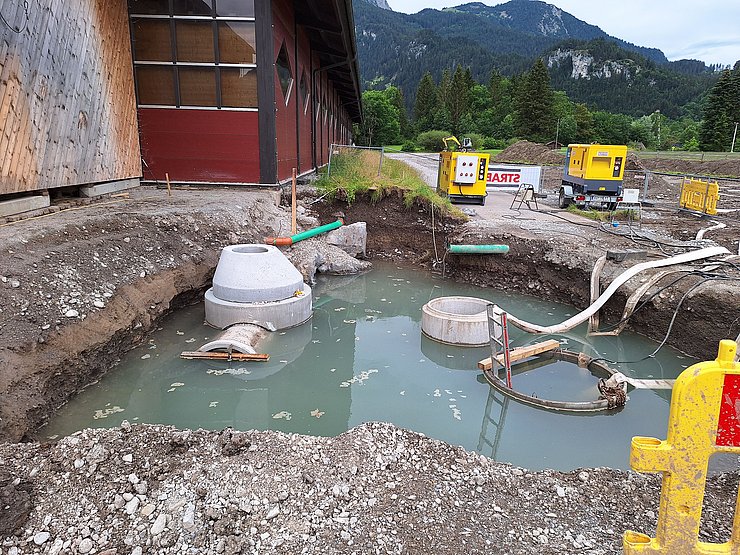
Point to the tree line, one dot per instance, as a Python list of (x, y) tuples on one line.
[(525, 106)]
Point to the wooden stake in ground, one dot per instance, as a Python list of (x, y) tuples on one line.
[(169, 189), (294, 229)]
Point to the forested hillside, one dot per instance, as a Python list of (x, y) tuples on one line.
[(591, 67)]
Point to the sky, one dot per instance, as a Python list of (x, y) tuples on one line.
[(708, 30)]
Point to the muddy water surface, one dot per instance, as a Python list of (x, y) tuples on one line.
[(362, 357)]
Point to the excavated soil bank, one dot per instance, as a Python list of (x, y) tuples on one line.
[(81, 287)]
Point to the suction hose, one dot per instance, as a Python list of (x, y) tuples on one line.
[(288, 241), (616, 284)]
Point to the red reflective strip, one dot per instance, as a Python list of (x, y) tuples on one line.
[(728, 427)]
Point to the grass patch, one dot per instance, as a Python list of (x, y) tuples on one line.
[(355, 172), (602, 215)]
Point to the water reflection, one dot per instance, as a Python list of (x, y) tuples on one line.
[(362, 357)]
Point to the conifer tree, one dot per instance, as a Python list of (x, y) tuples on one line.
[(535, 105), (457, 100), (425, 106), (717, 126)]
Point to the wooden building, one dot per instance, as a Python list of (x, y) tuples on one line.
[(207, 91)]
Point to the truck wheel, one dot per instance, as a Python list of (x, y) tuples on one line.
[(563, 201)]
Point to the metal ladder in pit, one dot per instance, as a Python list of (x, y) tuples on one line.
[(497, 402), (498, 333)]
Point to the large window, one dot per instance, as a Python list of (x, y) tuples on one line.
[(194, 53)]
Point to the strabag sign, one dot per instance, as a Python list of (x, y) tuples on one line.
[(504, 175)]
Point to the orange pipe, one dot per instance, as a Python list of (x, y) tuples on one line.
[(279, 241)]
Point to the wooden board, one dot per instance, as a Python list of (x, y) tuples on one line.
[(520, 353), (240, 357)]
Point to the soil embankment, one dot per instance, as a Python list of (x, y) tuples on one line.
[(81, 287)]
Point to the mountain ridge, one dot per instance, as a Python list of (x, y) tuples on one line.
[(397, 49)]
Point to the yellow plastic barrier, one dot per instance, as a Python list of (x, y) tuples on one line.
[(700, 196), (704, 420)]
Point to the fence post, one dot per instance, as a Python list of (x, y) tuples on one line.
[(647, 181), (331, 151)]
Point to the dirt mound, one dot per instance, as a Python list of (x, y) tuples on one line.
[(530, 153)]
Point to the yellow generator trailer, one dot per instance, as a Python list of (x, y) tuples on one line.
[(593, 175), (463, 175)]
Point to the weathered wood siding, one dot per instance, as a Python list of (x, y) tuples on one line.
[(67, 105)]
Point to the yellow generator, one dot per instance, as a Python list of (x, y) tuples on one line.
[(463, 174), (593, 175)]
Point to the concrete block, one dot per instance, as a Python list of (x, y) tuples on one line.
[(110, 187), (352, 238), (23, 204), (255, 273), (273, 316)]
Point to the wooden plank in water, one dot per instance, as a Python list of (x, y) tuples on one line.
[(213, 355), (520, 353), (650, 384)]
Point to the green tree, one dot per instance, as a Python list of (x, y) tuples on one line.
[(584, 123), (457, 99), (380, 124), (426, 104), (535, 116), (718, 123), (612, 129), (395, 97)]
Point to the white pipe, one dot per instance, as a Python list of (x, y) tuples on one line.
[(616, 284), (701, 232)]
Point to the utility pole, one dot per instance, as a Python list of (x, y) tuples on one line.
[(557, 133), (734, 136), (658, 112)]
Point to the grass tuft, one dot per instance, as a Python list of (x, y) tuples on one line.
[(355, 172)]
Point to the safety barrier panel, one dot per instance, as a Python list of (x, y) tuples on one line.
[(704, 420), (700, 196)]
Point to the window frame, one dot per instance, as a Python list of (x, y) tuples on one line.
[(216, 65)]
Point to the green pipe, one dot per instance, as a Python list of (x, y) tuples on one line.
[(315, 231), (479, 249)]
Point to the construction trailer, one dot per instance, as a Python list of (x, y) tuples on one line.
[(593, 176)]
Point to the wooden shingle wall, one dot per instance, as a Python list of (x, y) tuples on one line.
[(67, 104)]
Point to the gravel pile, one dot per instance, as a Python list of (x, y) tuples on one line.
[(374, 489)]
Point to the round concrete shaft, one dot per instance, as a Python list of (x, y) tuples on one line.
[(456, 320), (255, 273), (276, 315)]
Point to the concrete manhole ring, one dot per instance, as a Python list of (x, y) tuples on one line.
[(456, 321)]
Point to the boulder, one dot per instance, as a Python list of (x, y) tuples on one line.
[(352, 239)]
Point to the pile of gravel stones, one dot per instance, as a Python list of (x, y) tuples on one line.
[(374, 489)]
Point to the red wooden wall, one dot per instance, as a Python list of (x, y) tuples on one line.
[(218, 146)]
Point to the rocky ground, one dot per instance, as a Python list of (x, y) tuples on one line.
[(81, 286), (374, 489)]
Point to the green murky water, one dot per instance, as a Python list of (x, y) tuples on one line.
[(362, 357)]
